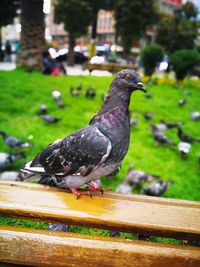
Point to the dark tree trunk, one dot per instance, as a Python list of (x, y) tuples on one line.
[(70, 58), (32, 34), (94, 27)]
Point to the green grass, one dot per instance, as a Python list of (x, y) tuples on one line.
[(22, 92)]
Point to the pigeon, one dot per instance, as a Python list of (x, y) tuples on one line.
[(58, 227), (195, 115), (149, 96), (49, 119), (58, 98), (159, 136), (56, 95), (124, 188), (169, 125), (14, 142), (184, 149), (135, 178), (43, 109), (9, 176), (6, 159), (79, 87), (90, 92), (148, 115), (134, 122), (157, 188), (74, 92), (96, 150), (186, 138), (182, 102)]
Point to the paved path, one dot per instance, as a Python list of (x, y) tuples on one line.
[(76, 70)]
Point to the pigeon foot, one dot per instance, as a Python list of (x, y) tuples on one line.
[(92, 186), (80, 193)]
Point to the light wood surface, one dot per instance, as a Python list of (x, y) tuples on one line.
[(136, 214), (47, 248)]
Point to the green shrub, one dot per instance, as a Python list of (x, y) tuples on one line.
[(183, 60), (151, 55)]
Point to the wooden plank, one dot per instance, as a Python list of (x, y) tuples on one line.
[(48, 248), (136, 214)]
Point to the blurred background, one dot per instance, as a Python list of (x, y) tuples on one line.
[(57, 60)]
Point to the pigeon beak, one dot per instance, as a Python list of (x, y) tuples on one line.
[(141, 87)]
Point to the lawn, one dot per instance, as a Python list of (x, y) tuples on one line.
[(23, 92)]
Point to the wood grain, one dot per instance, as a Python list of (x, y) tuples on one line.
[(137, 214), (47, 248)]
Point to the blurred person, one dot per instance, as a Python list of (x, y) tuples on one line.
[(52, 67), (8, 51)]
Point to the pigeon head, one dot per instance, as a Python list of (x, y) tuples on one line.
[(129, 79)]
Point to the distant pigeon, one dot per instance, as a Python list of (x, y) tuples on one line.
[(58, 98), (43, 109), (134, 122), (169, 125), (13, 142), (182, 102), (9, 176), (58, 227), (186, 138), (56, 94), (149, 96), (184, 149), (186, 93), (135, 178), (7, 159), (79, 87), (195, 115), (157, 188), (148, 115), (96, 150), (90, 92), (49, 119), (74, 92), (124, 188), (159, 136)]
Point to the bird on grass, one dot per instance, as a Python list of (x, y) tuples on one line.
[(169, 125), (96, 150), (148, 116), (159, 136), (134, 122), (135, 178), (182, 102), (7, 159), (79, 87), (157, 188), (43, 109), (13, 142), (49, 119), (57, 96), (195, 115), (74, 92), (185, 137), (90, 92), (184, 149)]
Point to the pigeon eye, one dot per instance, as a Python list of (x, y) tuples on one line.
[(127, 77)]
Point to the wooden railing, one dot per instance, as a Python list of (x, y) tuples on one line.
[(125, 213), (112, 67)]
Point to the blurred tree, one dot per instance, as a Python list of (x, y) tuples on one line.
[(76, 16), (8, 11), (151, 55), (96, 5), (132, 18), (183, 60), (180, 30), (32, 34)]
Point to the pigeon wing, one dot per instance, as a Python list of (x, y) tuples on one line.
[(80, 152)]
